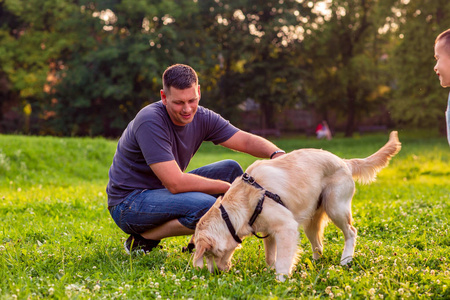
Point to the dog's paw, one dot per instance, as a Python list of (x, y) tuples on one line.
[(281, 277), (346, 261)]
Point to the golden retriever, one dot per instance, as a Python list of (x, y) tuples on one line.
[(314, 185)]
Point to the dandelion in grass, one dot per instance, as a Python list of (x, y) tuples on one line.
[(348, 289), (372, 291), (401, 291)]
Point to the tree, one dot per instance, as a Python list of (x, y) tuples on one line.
[(104, 84), (418, 98), (346, 59), (28, 45)]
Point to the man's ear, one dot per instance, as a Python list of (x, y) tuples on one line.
[(163, 97), (199, 93)]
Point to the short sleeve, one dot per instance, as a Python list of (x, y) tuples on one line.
[(220, 129), (154, 142)]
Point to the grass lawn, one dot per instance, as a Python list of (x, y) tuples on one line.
[(57, 239)]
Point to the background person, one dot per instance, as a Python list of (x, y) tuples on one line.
[(322, 130), (150, 197), (442, 68)]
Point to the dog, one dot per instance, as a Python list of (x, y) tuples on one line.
[(306, 187)]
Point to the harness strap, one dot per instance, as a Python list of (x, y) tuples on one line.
[(250, 180), (256, 213), (226, 218), (258, 209)]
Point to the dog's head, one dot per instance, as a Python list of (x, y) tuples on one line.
[(213, 241)]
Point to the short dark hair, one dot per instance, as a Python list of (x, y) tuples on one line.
[(179, 76), (445, 38)]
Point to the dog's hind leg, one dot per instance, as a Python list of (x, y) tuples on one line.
[(338, 208), (270, 248), (314, 229)]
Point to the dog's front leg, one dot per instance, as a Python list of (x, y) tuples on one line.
[(270, 247), (286, 244)]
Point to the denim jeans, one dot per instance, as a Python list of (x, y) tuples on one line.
[(146, 209)]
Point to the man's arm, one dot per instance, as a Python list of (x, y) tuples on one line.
[(176, 181), (252, 144)]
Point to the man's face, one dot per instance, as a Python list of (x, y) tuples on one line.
[(442, 67), (181, 104)]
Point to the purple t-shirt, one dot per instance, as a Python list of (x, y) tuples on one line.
[(151, 138)]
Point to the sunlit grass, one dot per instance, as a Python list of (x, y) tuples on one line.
[(57, 239)]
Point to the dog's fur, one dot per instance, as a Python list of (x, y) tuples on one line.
[(315, 185)]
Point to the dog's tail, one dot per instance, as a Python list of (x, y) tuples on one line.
[(365, 170)]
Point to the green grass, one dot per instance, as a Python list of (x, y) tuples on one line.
[(58, 241)]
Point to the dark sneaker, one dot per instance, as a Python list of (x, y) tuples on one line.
[(136, 242), (190, 247)]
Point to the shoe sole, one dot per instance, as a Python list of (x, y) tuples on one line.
[(135, 251)]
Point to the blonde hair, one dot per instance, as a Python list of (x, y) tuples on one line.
[(445, 38)]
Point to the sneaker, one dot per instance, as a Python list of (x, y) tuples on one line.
[(136, 242), (190, 247)]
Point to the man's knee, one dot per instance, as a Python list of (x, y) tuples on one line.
[(202, 205), (234, 167)]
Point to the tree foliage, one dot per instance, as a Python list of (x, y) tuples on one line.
[(418, 99), (86, 67)]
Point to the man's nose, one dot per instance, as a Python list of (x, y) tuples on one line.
[(186, 108)]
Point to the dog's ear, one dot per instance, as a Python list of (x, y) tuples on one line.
[(200, 247)]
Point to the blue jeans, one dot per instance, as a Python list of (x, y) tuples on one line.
[(143, 210)]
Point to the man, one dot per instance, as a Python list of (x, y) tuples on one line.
[(442, 67), (149, 195)]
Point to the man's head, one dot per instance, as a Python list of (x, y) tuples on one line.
[(442, 55), (180, 93), (180, 77)]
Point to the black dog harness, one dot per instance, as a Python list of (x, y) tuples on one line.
[(250, 180)]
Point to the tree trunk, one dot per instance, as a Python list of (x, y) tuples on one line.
[(268, 115), (350, 127)]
